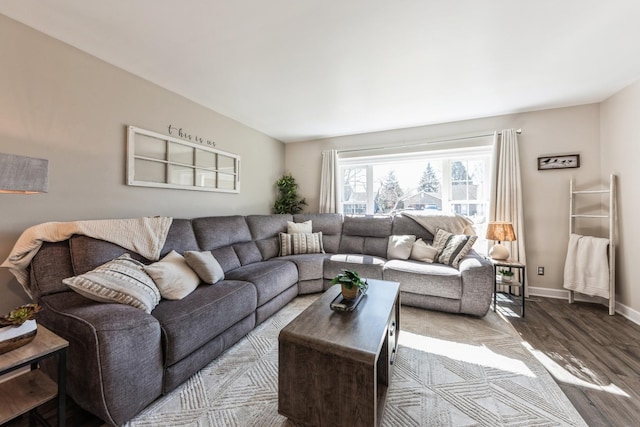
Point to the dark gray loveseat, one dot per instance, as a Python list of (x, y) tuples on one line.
[(121, 358)]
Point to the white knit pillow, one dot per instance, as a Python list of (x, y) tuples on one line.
[(173, 276), (421, 251), (122, 280), (399, 246)]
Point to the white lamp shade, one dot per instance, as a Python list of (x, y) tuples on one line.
[(26, 175)]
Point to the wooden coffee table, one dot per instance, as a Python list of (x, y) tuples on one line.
[(334, 367)]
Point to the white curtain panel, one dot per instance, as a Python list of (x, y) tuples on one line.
[(506, 194), (329, 182)]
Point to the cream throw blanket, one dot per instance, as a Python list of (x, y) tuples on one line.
[(456, 224), (145, 236), (586, 268)]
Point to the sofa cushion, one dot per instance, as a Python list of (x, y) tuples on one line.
[(191, 322), (452, 247), (367, 226), (366, 265), (426, 279), (247, 252), (403, 224), (180, 237), (300, 243), (227, 258), (51, 264), (299, 227), (205, 265), (88, 253), (173, 276), (399, 246), (264, 232), (329, 224), (122, 280), (217, 232), (270, 277), (310, 266)]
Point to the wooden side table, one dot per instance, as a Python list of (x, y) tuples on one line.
[(28, 390), (510, 265)]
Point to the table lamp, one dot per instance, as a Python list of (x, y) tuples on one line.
[(23, 175), (500, 231)]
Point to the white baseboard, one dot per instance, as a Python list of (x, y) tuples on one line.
[(621, 309)]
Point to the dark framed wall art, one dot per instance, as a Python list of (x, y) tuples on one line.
[(559, 162)]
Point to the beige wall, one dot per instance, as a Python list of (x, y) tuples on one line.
[(620, 149), (546, 193), (71, 108)]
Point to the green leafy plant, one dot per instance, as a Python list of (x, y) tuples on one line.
[(505, 272), (288, 201), (349, 279), (20, 315)]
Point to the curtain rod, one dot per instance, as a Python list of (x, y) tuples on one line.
[(440, 141)]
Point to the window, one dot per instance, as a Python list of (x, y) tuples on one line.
[(156, 160), (446, 180)]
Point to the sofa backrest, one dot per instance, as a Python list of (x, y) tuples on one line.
[(330, 224), (265, 230), (403, 225), (229, 240), (366, 235)]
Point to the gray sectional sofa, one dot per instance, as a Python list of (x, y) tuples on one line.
[(121, 358)]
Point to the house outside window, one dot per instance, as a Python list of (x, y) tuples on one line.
[(448, 181)]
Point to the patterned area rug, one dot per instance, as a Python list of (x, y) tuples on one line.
[(451, 370)]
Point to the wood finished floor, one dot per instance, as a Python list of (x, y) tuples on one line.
[(600, 354)]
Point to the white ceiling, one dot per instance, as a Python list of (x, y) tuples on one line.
[(307, 69)]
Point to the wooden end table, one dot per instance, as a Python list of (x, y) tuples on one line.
[(26, 391), (334, 367)]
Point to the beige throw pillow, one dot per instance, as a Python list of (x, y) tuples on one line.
[(299, 227), (205, 265), (301, 243), (422, 251), (173, 277), (399, 246), (122, 280)]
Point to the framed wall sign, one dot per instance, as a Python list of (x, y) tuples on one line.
[(156, 160), (559, 162)]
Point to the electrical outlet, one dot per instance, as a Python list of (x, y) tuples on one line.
[(540, 271)]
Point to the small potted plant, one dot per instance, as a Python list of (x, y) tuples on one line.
[(351, 283), (18, 327), (507, 275)]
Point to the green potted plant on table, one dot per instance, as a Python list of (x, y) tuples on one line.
[(506, 274), (351, 284), (18, 327)]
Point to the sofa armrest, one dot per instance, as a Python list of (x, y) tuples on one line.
[(115, 364), (476, 273)]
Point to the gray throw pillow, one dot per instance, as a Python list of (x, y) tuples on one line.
[(205, 265)]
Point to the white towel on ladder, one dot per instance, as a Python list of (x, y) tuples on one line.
[(586, 268)]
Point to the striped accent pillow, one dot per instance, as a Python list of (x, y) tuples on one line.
[(122, 280), (452, 247), (301, 243)]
